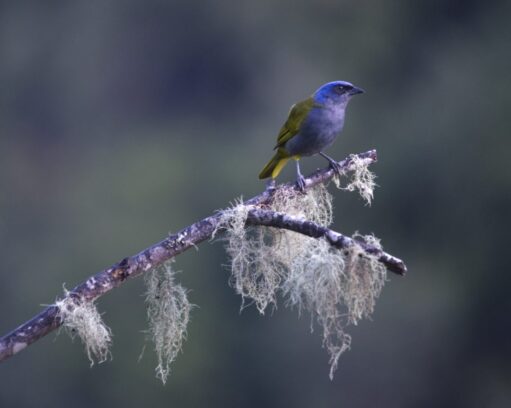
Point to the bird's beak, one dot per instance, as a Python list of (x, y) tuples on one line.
[(355, 91)]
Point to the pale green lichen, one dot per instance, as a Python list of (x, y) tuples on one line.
[(260, 256), (338, 287), (362, 179), (168, 313), (81, 318), (362, 287)]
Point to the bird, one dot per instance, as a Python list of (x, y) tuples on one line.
[(311, 127)]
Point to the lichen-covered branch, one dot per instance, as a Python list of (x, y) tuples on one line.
[(275, 219), (156, 255)]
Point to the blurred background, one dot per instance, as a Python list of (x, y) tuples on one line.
[(121, 121)]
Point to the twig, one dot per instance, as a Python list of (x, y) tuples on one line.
[(154, 256)]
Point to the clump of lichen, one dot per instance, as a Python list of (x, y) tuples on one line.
[(362, 179), (363, 287), (336, 287), (168, 313), (81, 318), (261, 257)]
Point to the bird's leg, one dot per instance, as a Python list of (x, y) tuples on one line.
[(333, 164), (270, 184), (300, 180)]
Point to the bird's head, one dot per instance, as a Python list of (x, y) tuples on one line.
[(337, 92)]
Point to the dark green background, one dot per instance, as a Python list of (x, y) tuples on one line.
[(123, 120)]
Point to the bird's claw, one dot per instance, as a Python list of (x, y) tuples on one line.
[(333, 163), (336, 167), (300, 181)]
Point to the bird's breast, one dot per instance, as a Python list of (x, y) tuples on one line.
[(317, 132)]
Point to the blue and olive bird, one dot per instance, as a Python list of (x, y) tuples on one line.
[(311, 127)]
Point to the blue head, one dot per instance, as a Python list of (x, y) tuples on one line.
[(336, 92)]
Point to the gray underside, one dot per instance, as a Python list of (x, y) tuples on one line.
[(318, 132)]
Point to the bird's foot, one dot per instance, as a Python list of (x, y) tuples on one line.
[(333, 163), (335, 166), (300, 181), (270, 185)]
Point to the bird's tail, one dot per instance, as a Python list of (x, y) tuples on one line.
[(275, 165)]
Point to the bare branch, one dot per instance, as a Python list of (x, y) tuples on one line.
[(154, 256)]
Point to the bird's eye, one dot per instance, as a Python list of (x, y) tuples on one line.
[(340, 88)]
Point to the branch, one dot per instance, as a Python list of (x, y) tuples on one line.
[(106, 280), (276, 219)]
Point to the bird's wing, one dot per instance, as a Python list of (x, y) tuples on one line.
[(296, 116)]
